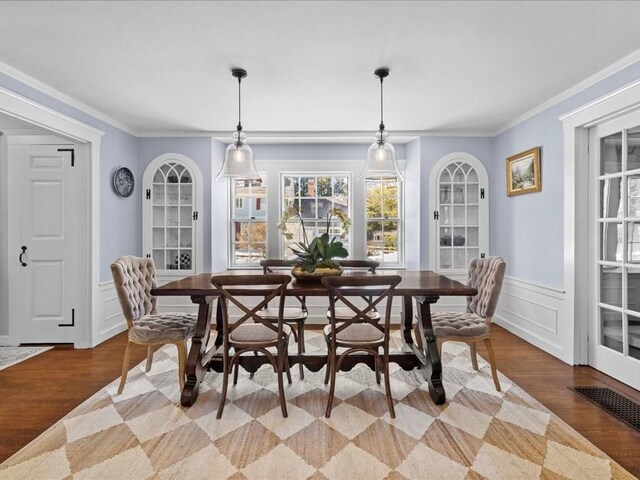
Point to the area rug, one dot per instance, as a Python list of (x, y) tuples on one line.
[(11, 355), (479, 433)]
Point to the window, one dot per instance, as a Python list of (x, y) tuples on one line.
[(383, 220), (315, 195), (248, 222)]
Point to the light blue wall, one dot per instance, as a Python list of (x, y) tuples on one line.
[(317, 151), (528, 230), (120, 218), (197, 149)]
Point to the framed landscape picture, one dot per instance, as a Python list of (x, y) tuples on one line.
[(523, 172)]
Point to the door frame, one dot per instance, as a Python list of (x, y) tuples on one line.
[(87, 140), (483, 218), (576, 124)]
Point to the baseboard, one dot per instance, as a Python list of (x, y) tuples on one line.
[(6, 341), (532, 312)]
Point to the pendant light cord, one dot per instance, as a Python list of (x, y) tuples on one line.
[(381, 106), (239, 104)]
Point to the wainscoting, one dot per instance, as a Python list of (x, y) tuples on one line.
[(534, 313), (111, 322)]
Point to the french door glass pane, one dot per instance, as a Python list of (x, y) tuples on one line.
[(633, 242), (611, 328), (633, 148), (611, 153), (633, 196), (633, 289), (633, 326), (611, 237), (611, 195), (610, 285)]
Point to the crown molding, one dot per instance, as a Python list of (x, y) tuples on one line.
[(52, 92), (583, 85)]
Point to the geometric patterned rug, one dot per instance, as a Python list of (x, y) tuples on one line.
[(479, 432), (12, 355)]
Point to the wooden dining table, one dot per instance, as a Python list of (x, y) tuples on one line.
[(422, 288)]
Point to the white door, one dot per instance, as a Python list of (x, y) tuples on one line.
[(614, 246), (45, 190)]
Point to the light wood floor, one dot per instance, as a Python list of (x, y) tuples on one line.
[(39, 391)]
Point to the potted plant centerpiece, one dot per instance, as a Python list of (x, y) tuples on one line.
[(315, 258)]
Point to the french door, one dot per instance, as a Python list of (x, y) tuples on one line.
[(614, 246)]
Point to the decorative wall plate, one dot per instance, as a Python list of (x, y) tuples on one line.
[(123, 182)]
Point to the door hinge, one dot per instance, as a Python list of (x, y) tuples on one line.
[(195, 215), (482, 193), (73, 320), (73, 154), (436, 215), (148, 194), (482, 255), (148, 255)]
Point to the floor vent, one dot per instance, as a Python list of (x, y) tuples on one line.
[(622, 407)]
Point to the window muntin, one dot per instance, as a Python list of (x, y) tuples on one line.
[(248, 222), (314, 194), (383, 218)]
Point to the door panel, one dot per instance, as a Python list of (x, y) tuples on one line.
[(614, 243), (46, 211)]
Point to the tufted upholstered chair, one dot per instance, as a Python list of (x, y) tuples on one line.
[(134, 278), (485, 275)]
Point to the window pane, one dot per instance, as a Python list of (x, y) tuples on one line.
[(248, 226), (611, 194), (611, 323), (633, 242), (611, 237), (610, 285), (611, 153), (633, 194), (324, 187)]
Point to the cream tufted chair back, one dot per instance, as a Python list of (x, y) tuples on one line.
[(485, 275), (134, 278)]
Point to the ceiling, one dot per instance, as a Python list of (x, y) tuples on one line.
[(456, 67)]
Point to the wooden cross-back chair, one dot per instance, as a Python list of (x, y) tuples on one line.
[(359, 332), (362, 265), (297, 315), (243, 336)]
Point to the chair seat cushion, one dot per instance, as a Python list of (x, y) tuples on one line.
[(290, 314), (256, 333), (163, 327), (457, 324), (345, 313), (357, 333)]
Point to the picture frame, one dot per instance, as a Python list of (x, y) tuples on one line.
[(523, 172)]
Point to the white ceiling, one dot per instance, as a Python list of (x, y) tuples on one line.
[(455, 67)]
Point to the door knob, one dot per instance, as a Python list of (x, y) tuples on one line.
[(22, 262)]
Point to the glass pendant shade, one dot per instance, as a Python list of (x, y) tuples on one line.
[(238, 160), (381, 159)]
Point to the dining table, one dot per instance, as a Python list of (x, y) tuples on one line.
[(419, 288)]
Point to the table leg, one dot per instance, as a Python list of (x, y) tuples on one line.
[(195, 369), (407, 320), (432, 368)]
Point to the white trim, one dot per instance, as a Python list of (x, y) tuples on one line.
[(532, 312), (576, 202), (52, 92), (88, 212), (483, 211), (198, 193), (7, 341), (583, 85)]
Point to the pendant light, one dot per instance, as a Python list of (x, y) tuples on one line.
[(381, 157), (238, 158)]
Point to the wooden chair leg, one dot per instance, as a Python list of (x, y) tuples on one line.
[(182, 362), (285, 361), (125, 366), (150, 350), (474, 357), (332, 389), (377, 369), (280, 363), (387, 385), (301, 348), (225, 383), (328, 367), (236, 369), (492, 360)]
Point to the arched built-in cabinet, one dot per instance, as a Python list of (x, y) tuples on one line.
[(459, 201), (171, 215)]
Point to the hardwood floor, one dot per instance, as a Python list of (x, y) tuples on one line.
[(34, 394)]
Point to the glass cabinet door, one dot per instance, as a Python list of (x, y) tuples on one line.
[(173, 215), (458, 219)]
